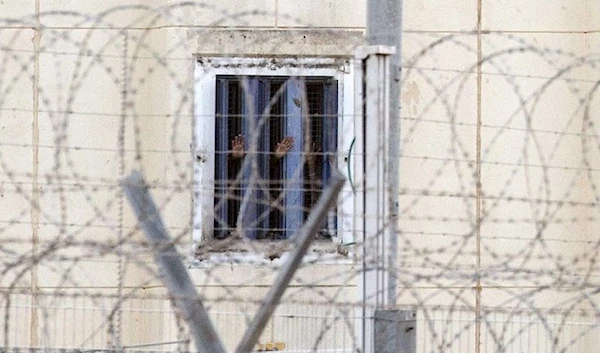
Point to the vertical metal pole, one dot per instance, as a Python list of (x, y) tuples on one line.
[(372, 196), (384, 27)]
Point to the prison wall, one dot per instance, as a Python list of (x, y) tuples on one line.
[(498, 194)]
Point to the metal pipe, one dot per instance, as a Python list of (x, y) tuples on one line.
[(384, 27), (174, 274), (303, 239)]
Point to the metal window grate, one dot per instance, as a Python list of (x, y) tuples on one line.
[(270, 121), (313, 168)]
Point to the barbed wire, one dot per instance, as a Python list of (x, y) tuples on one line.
[(101, 93)]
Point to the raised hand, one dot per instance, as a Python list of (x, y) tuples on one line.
[(284, 146), (237, 147), (312, 154)]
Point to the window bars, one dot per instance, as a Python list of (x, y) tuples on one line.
[(275, 142)]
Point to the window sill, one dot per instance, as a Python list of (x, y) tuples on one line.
[(269, 253)]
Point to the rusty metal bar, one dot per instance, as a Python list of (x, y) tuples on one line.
[(303, 238), (174, 274)]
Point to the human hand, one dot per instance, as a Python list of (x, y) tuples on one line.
[(284, 146), (237, 147), (312, 154)]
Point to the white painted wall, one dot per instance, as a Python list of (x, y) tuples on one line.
[(62, 109)]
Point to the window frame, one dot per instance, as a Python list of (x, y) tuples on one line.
[(206, 71)]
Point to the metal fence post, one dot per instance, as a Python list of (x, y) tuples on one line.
[(175, 275), (371, 165), (384, 27)]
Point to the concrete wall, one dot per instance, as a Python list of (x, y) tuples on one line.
[(92, 92)]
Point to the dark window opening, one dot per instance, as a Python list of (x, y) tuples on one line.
[(268, 191)]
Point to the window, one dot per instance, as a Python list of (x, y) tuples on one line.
[(275, 145), (268, 133)]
